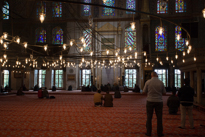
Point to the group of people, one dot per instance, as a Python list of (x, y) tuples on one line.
[(43, 93), (154, 88), (99, 98)]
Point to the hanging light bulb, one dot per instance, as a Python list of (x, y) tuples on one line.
[(5, 56), (5, 45), (187, 42), (157, 59), (81, 49), (82, 39), (84, 44), (18, 39), (104, 1), (83, 60), (125, 50), (45, 47), (107, 52), (146, 60), (178, 37), (41, 17), (145, 53), (176, 56), (160, 30), (167, 58), (1, 60), (135, 54), (71, 42), (132, 25), (25, 44), (203, 11), (183, 60), (60, 57), (184, 53), (26, 60), (91, 53), (5, 35), (116, 54), (172, 61), (130, 48), (64, 46), (1, 41), (190, 47), (194, 58)]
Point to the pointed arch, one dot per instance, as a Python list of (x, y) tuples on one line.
[(161, 10), (57, 9), (40, 35), (109, 11), (86, 8), (130, 4), (160, 40), (179, 44), (5, 10), (57, 34), (180, 6)]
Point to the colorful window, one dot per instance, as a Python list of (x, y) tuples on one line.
[(40, 35), (177, 74), (162, 7), (160, 40), (109, 11), (180, 6), (5, 10), (162, 75), (6, 78), (179, 44), (88, 38), (41, 8), (87, 8), (130, 4), (130, 38), (57, 35), (57, 9), (86, 77), (130, 77), (57, 78)]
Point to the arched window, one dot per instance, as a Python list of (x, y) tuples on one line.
[(5, 10), (180, 6), (109, 11), (179, 44), (130, 38), (87, 8), (57, 35), (160, 40), (162, 7), (88, 39), (57, 9), (130, 4), (41, 8), (40, 35)]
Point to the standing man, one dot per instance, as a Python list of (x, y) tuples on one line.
[(186, 97), (154, 88)]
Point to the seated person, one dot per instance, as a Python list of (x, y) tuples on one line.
[(94, 88), (98, 98), (24, 88), (6, 88), (36, 88), (70, 88), (19, 92), (54, 88), (117, 94), (45, 93), (173, 103), (108, 100), (2, 89), (136, 88)]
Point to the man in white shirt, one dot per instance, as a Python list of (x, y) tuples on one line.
[(154, 88)]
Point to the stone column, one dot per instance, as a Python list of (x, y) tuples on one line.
[(199, 96), (192, 79)]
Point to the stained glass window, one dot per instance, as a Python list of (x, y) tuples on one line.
[(180, 6), (5, 10), (87, 8), (40, 35), (179, 44), (130, 38), (160, 40), (130, 4), (41, 8), (57, 9), (88, 38), (162, 7), (57, 35), (130, 77), (109, 11)]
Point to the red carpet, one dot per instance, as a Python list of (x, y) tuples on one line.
[(76, 116)]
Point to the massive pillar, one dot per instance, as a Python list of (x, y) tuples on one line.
[(192, 79)]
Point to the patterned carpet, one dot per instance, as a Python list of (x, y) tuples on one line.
[(76, 116)]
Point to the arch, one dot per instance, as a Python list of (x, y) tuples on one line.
[(5, 10), (57, 9), (179, 44), (130, 4), (86, 8), (160, 40), (41, 8), (109, 11), (160, 9), (180, 6), (130, 38), (57, 34), (40, 35)]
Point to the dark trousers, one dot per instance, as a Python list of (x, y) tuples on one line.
[(157, 106)]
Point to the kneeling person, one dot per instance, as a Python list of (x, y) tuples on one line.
[(108, 100), (98, 99)]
